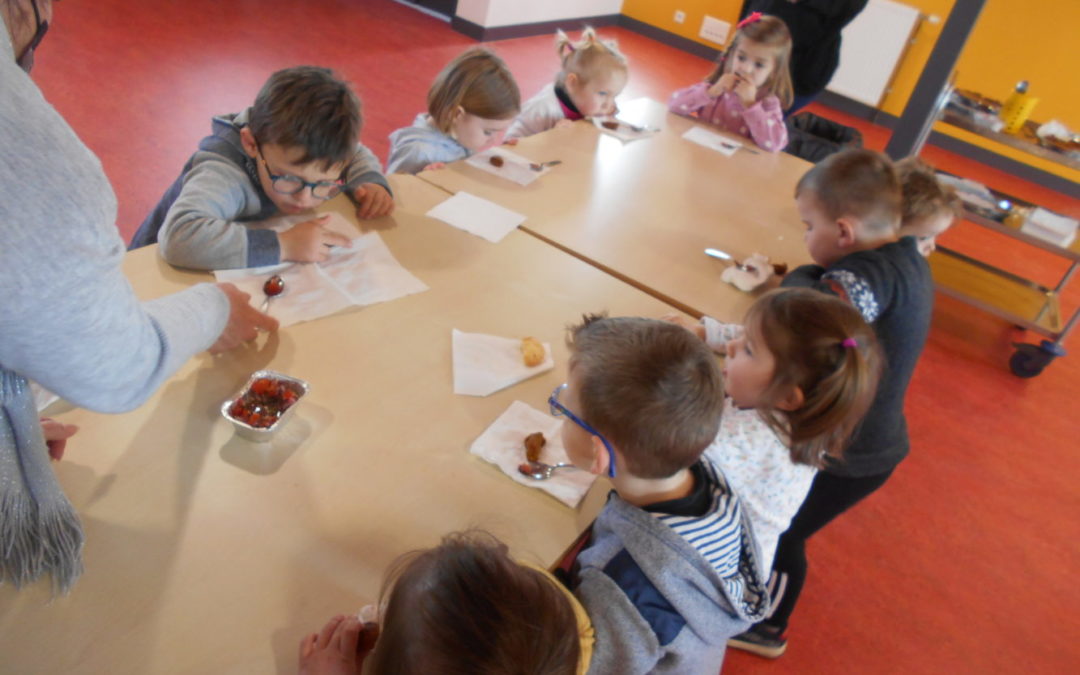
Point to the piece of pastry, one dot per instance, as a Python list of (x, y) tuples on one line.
[(497, 161), (534, 443), (532, 352), (749, 274), (610, 124)]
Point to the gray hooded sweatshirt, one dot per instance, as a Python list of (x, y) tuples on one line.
[(664, 592), (214, 216), (413, 148)]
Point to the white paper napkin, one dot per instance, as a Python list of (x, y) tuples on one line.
[(484, 364), (704, 137), (625, 131), (514, 167), (477, 216), (503, 444), (363, 274)]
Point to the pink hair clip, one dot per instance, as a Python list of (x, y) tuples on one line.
[(850, 343), (754, 16)]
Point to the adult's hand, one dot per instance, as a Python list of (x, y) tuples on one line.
[(244, 322)]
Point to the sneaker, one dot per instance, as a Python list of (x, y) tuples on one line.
[(761, 640)]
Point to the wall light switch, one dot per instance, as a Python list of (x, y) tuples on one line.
[(714, 30)]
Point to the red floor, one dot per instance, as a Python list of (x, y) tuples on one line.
[(961, 564)]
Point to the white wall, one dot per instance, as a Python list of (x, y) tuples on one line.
[(491, 13)]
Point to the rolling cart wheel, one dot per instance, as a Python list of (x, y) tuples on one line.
[(1030, 360)]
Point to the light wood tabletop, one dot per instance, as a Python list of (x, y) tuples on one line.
[(207, 553), (645, 210)]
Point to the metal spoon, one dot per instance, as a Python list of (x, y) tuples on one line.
[(540, 166), (273, 287), (723, 255), (541, 471)]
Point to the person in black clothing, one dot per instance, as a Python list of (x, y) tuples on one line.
[(815, 27), (851, 205)]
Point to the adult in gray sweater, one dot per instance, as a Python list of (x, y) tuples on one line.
[(69, 319)]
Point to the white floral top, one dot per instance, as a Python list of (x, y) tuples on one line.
[(757, 463), (759, 469)]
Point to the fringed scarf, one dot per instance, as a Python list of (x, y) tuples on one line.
[(40, 531)]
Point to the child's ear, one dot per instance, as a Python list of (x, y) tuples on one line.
[(793, 400), (600, 458), (247, 141), (458, 113), (847, 229), (572, 81)]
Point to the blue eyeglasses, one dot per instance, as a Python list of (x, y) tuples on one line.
[(290, 185), (559, 410)]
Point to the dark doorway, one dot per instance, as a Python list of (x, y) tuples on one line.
[(445, 8)]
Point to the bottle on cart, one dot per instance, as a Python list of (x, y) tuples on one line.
[(1017, 108)]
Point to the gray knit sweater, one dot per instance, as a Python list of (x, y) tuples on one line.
[(68, 317)]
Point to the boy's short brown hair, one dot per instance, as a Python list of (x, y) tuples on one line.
[(308, 107), (650, 387), (856, 183), (466, 606), (478, 81), (924, 196)]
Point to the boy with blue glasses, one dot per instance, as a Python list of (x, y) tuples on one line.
[(286, 154), (670, 569)]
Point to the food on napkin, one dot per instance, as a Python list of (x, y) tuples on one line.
[(484, 364), (532, 352), (500, 444), (508, 165), (750, 273), (624, 131), (534, 445)]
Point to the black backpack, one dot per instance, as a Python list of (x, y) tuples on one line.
[(813, 138)]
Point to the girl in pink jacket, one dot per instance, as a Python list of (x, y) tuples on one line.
[(749, 89)]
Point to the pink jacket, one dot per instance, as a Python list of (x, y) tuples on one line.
[(763, 121)]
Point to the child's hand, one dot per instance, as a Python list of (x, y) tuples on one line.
[(689, 324), (746, 91), (564, 124), (56, 435), (310, 241), (726, 82), (373, 201), (435, 166), (510, 141), (332, 651)]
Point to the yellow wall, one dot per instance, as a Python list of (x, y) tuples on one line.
[(1033, 40)]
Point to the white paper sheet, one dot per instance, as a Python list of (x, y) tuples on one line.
[(363, 274), (514, 168), (625, 131), (484, 364), (708, 139), (503, 444), (477, 216)]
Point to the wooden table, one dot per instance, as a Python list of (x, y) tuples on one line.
[(209, 554), (645, 210)]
